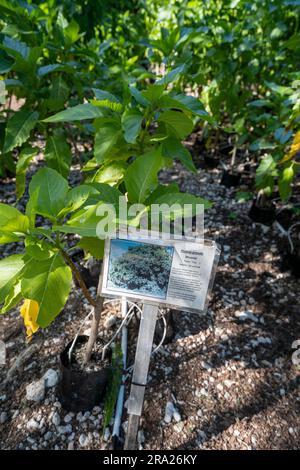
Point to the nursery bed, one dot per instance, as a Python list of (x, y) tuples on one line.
[(229, 373)]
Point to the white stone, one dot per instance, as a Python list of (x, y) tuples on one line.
[(106, 434), (32, 425), (141, 437), (202, 435), (3, 417), (176, 416), (83, 440), (110, 321), (67, 429), (201, 393), (178, 427), (51, 378), (228, 383), (68, 418), (246, 315), (36, 390), (264, 340), (56, 419), (169, 411)]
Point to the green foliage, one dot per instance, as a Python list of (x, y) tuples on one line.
[(18, 129), (58, 153), (141, 176), (85, 71)]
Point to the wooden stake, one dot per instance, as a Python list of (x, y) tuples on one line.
[(140, 373)]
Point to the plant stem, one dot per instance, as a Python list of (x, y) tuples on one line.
[(98, 307), (77, 153), (78, 276)]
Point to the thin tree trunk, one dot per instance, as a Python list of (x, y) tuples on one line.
[(95, 324)]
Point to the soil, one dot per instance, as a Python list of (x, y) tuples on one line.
[(96, 363), (229, 372)]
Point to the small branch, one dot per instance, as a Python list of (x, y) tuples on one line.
[(95, 324), (78, 276), (77, 153)]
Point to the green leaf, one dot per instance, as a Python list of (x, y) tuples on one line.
[(93, 245), (48, 282), (285, 181), (31, 208), (59, 92), (187, 103), (107, 100), (172, 75), (58, 153), (103, 95), (2, 92), (139, 98), (283, 136), (71, 33), (141, 175), (293, 42), (106, 193), (50, 190), (181, 199), (5, 63), (265, 173), (76, 197), (10, 268), (38, 249), (131, 124), (12, 223), (153, 92), (77, 113), (261, 103), (45, 69), (25, 157), (173, 148), (13, 298), (15, 48), (106, 137), (18, 129), (242, 196), (112, 173), (116, 107), (178, 122), (261, 144), (83, 223), (160, 190)]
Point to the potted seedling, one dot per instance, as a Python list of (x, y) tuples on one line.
[(292, 258), (231, 178), (262, 210)]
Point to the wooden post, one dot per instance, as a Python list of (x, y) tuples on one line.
[(140, 373)]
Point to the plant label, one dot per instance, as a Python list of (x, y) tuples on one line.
[(174, 273)]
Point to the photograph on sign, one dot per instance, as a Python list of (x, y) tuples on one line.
[(175, 273)]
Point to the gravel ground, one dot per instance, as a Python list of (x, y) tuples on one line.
[(225, 381)]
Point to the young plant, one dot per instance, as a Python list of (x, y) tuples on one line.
[(134, 140)]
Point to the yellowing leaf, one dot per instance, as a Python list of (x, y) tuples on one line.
[(295, 148), (29, 311)]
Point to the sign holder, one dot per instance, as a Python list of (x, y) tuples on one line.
[(159, 272), (140, 373)]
